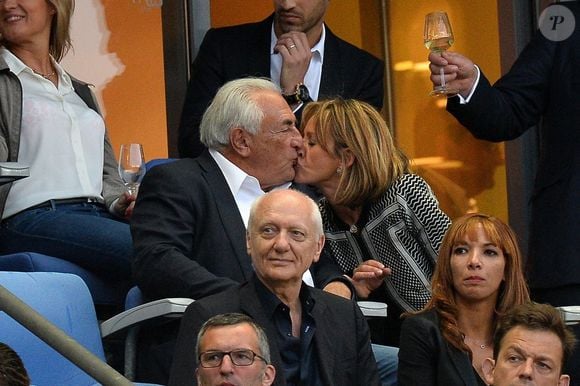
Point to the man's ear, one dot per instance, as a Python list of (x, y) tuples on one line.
[(487, 367), (248, 247), (319, 246), (240, 141), (269, 375), (564, 380)]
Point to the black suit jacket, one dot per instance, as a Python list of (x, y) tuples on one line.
[(240, 51), (425, 357), (188, 235), (543, 85), (342, 340), (189, 238)]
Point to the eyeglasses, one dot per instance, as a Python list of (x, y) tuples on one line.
[(210, 359)]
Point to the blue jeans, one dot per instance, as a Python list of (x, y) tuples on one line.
[(85, 234), (387, 358)]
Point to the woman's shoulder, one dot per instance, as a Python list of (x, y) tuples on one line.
[(407, 186), (409, 181), (424, 317), (421, 325)]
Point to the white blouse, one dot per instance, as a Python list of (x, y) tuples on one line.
[(62, 140)]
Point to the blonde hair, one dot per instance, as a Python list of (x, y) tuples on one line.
[(357, 127), (60, 42)]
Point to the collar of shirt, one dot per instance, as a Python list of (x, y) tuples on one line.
[(17, 66), (244, 188), (314, 72), (299, 360), (270, 302)]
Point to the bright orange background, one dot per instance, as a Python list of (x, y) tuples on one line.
[(135, 100)]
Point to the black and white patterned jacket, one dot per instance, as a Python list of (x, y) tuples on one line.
[(403, 230)]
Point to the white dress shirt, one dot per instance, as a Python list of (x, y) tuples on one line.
[(61, 139)]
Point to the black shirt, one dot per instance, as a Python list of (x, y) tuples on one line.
[(298, 354)]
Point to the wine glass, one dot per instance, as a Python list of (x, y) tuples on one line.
[(132, 166), (438, 37)]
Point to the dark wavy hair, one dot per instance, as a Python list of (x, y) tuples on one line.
[(12, 371), (513, 290)]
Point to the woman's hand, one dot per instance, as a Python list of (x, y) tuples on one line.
[(124, 205), (368, 276)]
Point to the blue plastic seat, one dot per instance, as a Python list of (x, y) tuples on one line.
[(64, 300), (104, 292)]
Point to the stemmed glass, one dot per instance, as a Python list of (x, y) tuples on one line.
[(132, 166), (438, 37)]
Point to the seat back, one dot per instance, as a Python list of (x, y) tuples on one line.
[(103, 292), (64, 300), (158, 161)]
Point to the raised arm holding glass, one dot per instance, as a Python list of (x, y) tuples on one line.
[(543, 86), (73, 204)]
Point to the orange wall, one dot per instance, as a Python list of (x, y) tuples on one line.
[(135, 100)]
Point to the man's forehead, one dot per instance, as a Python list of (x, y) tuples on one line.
[(543, 344), (225, 333)]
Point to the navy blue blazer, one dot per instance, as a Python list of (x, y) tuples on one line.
[(342, 339), (542, 85), (244, 50), (426, 359)]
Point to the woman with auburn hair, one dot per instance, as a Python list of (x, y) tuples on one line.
[(478, 277), (74, 204), (382, 223)]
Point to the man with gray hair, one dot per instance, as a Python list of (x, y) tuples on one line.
[(190, 217), (232, 349), (316, 338)]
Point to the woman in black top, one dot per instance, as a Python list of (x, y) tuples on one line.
[(478, 277)]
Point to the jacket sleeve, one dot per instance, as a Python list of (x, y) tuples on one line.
[(425, 216), (113, 187), (418, 353), (184, 359), (368, 373), (515, 102)]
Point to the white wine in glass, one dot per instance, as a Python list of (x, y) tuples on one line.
[(132, 166), (438, 37)]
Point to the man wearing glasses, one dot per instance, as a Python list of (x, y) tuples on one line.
[(232, 349), (316, 338)]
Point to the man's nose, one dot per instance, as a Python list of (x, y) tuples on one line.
[(227, 366), (527, 369), (287, 4), (281, 242), (297, 142)]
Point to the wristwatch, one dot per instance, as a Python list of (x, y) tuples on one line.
[(300, 94)]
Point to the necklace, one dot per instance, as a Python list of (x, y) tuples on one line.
[(482, 346), (45, 76)]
